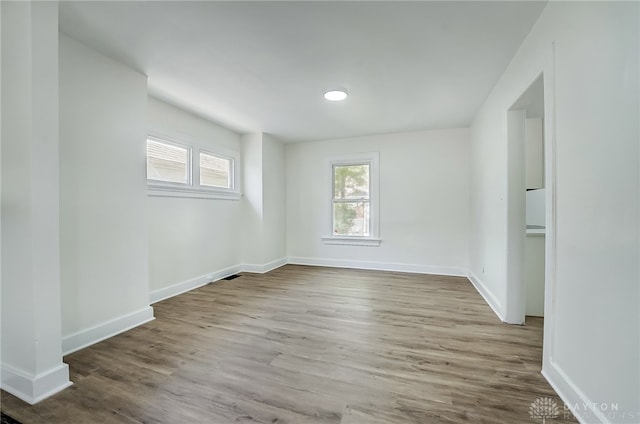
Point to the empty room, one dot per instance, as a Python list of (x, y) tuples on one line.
[(320, 212)]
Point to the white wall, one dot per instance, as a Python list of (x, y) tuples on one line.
[(534, 153), (534, 275), (103, 222), (265, 202), (535, 207), (191, 239), (274, 198), (424, 192), (591, 132), (32, 365), (252, 228), (0, 193), (195, 241)]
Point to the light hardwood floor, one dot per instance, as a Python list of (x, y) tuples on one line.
[(309, 345)]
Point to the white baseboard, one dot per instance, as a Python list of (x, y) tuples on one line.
[(194, 283), (486, 294), (579, 404), (185, 286), (89, 336), (34, 388), (261, 269), (381, 266)]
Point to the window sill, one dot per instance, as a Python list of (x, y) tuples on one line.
[(352, 241), (159, 191)]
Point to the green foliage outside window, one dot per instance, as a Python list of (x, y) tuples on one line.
[(351, 196)]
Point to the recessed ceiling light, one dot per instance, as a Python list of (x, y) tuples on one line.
[(335, 95)]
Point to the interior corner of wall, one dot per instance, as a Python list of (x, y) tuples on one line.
[(489, 297)]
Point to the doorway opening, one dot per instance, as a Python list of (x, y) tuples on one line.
[(526, 205)]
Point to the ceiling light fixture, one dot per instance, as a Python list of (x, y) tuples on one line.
[(336, 95)]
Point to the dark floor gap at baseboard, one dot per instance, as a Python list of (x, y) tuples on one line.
[(5, 419), (231, 277)]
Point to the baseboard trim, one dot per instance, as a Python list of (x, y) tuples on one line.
[(193, 283), (34, 388), (381, 266), (486, 294), (579, 404), (100, 332), (261, 269)]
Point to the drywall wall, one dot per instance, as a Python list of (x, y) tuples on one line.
[(191, 241), (103, 222), (265, 202), (534, 153), (588, 53), (274, 198), (253, 212), (32, 365), (534, 275), (423, 210), (535, 207), (0, 194)]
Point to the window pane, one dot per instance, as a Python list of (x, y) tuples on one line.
[(351, 181), (351, 219), (215, 171), (166, 162)]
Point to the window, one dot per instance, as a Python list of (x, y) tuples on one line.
[(215, 171), (168, 162), (354, 192), (351, 200), (172, 172)]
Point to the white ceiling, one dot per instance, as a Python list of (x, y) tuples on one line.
[(263, 66)]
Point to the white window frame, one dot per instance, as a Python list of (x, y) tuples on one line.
[(371, 159), (168, 184), (233, 158), (157, 188)]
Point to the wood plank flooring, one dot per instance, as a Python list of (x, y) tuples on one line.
[(309, 345)]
